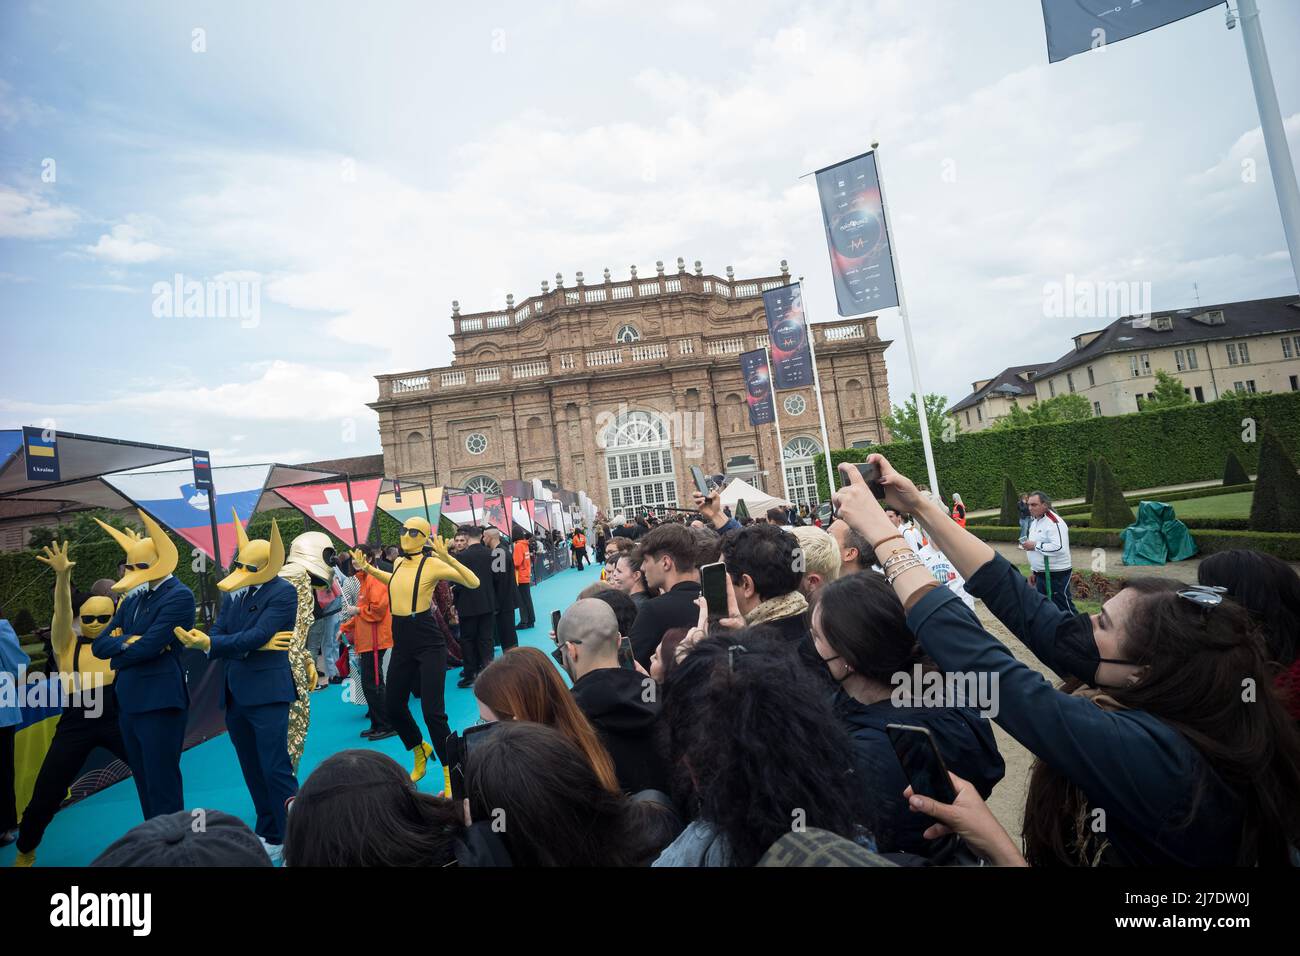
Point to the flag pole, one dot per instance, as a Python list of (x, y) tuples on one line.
[(776, 419), (817, 393), (922, 413), (352, 511), (1270, 124)]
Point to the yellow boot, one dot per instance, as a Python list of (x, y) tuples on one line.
[(25, 859), (421, 752)]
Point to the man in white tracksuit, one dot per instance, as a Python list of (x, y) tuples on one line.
[(1048, 545)]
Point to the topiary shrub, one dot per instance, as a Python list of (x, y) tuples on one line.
[(1109, 509), (1233, 472), (1092, 482), (1276, 505), (1010, 503)]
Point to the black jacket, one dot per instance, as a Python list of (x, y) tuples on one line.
[(505, 589), (674, 608), (479, 600), (965, 741), (613, 698), (634, 532), (1143, 772)]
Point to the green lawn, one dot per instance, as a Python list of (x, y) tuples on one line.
[(1219, 506)]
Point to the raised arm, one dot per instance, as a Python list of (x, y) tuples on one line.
[(359, 559), (62, 636), (447, 568)]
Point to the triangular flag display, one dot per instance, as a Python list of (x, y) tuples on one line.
[(496, 513), (412, 503), (327, 504), (172, 499), (541, 516), (460, 509), (522, 513)]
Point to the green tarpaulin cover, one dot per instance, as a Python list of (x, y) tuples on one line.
[(1156, 537)]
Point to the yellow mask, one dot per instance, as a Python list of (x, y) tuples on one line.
[(96, 607), (415, 535), (148, 559), (257, 562)]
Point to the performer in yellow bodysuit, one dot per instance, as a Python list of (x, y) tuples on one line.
[(418, 645), (89, 717)]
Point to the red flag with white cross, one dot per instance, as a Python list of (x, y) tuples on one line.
[(327, 504)]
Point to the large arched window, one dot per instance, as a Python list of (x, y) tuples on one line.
[(639, 463), (627, 334), (483, 485), (800, 470)]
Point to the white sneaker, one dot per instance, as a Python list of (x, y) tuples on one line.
[(274, 850)]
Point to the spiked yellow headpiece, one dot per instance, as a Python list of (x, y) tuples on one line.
[(148, 559), (257, 561)]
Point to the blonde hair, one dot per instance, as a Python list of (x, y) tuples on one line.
[(821, 555)]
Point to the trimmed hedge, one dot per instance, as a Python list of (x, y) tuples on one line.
[(1010, 503), (1210, 491), (1146, 450), (1204, 524), (1233, 472), (1109, 508), (1279, 544)]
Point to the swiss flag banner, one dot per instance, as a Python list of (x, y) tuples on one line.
[(327, 505)]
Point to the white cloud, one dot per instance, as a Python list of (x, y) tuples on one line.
[(28, 215), (127, 244)]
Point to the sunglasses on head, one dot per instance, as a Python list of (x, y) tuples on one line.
[(1204, 595), (96, 618)]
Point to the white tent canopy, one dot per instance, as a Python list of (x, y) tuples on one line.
[(756, 501)]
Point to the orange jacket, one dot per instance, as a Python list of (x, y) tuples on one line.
[(523, 563), (373, 621), (959, 513)]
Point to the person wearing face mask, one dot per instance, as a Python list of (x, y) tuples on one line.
[(860, 631), (252, 635), (141, 647), (1170, 746), (89, 717)]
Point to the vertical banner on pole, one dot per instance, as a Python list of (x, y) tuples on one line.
[(787, 331), (758, 387), (858, 237), (1077, 26)]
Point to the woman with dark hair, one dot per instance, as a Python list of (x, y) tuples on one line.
[(1170, 746), (756, 750), (1269, 589), (522, 684), (360, 808), (664, 657), (556, 810), (860, 630)]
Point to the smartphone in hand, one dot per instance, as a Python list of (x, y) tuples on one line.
[(921, 761), (626, 658), (701, 483), (870, 473), (713, 586)]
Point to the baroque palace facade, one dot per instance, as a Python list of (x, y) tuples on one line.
[(618, 387)]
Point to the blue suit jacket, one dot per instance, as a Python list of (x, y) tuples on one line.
[(150, 675), (242, 626)]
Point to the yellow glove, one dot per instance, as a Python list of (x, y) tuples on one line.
[(57, 558), (359, 559), (192, 638), (279, 641)]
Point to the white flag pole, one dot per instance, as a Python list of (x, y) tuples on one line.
[(1270, 123), (817, 392), (921, 412), (776, 418)]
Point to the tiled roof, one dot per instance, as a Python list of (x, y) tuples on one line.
[(1007, 382)]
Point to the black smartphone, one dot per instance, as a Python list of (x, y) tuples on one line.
[(701, 483), (626, 658), (460, 747), (713, 585), (921, 762), (555, 621), (870, 473)]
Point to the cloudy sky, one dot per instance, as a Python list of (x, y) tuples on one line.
[(361, 165)]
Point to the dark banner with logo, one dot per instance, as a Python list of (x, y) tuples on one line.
[(758, 387), (788, 333), (1077, 26), (857, 235)]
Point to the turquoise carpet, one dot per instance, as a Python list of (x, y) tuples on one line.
[(211, 771)]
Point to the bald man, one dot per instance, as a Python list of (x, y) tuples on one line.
[(622, 704)]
